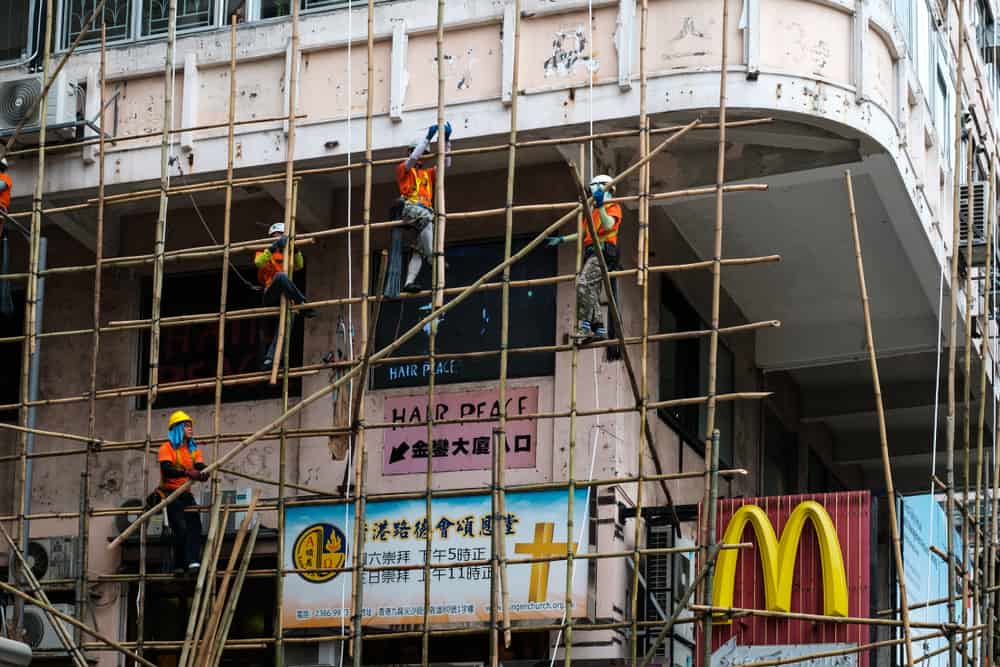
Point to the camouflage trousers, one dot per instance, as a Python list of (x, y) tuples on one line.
[(589, 286)]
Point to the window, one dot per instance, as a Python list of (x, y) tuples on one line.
[(924, 50), (781, 458), (117, 16), (684, 374), (269, 9), (190, 14), (906, 18), (943, 117), (474, 325), (189, 352), (15, 28)]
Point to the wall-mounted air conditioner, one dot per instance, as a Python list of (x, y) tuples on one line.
[(972, 212), (40, 635), (19, 100), (154, 527), (52, 558)]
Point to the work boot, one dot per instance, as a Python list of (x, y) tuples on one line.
[(413, 287), (193, 568), (583, 331), (599, 332)]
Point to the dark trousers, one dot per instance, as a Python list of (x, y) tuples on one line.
[(185, 527), (281, 284)]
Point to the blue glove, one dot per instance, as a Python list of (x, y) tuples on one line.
[(599, 197), (431, 131), (553, 241), (447, 131)]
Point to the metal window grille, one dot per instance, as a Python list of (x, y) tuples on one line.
[(190, 14), (117, 16)]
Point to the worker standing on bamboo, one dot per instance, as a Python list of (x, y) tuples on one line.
[(271, 273), (416, 202), (607, 217), (6, 185), (181, 460)]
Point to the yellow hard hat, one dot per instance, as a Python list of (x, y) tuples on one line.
[(177, 418)]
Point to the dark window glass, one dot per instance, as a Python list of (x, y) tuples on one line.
[(781, 458), (14, 29), (189, 352), (10, 357), (474, 325), (684, 374)]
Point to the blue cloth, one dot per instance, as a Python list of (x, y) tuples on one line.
[(176, 437)]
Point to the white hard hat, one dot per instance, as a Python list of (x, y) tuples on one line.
[(276, 227), (601, 179), (3, 162)]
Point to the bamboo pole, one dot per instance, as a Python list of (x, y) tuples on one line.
[(713, 345), (886, 465), (953, 336), (967, 389), (66, 618), (25, 568), (213, 550), (83, 594), (981, 565), (159, 244)]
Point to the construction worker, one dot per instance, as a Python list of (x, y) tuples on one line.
[(270, 265), (607, 218), (181, 460), (6, 185), (416, 202)]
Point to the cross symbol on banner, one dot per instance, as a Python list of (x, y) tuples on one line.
[(542, 546)]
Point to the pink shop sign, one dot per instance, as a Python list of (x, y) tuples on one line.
[(465, 446)]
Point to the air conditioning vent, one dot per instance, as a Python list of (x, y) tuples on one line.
[(972, 212), (52, 558), (38, 628), (18, 97)]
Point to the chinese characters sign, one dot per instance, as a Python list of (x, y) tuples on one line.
[(461, 530), (458, 446)]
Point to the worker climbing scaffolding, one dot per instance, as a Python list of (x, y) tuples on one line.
[(271, 273), (181, 459), (607, 221), (416, 202), (6, 185)]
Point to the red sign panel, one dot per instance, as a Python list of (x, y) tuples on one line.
[(850, 513)]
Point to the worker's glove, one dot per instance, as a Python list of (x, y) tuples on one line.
[(553, 241), (279, 243), (599, 195), (203, 476), (194, 475), (447, 131), (431, 131)]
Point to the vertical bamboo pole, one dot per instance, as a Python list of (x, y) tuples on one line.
[(227, 615), (984, 328), (161, 219), (442, 145), (190, 636), (571, 453), (952, 338), (227, 215), (83, 596), (643, 278), (501, 442), (886, 466), (285, 356), (967, 399), (358, 433), (995, 480), (708, 506)]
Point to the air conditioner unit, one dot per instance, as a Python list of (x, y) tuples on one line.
[(972, 206), (229, 497), (18, 97), (52, 558), (40, 635)]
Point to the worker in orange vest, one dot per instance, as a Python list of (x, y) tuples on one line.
[(181, 460), (271, 273), (607, 216), (416, 201), (6, 185)]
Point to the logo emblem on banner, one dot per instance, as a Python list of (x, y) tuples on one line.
[(320, 547), (777, 558)]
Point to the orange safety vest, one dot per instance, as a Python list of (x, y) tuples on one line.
[(180, 456), (606, 235), (416, 185), (5, 195), (273, 267)]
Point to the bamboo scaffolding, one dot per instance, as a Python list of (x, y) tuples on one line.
[(967, 400), (880, 412), (199, 597)]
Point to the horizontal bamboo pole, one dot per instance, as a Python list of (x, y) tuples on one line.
[(797, 616)]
